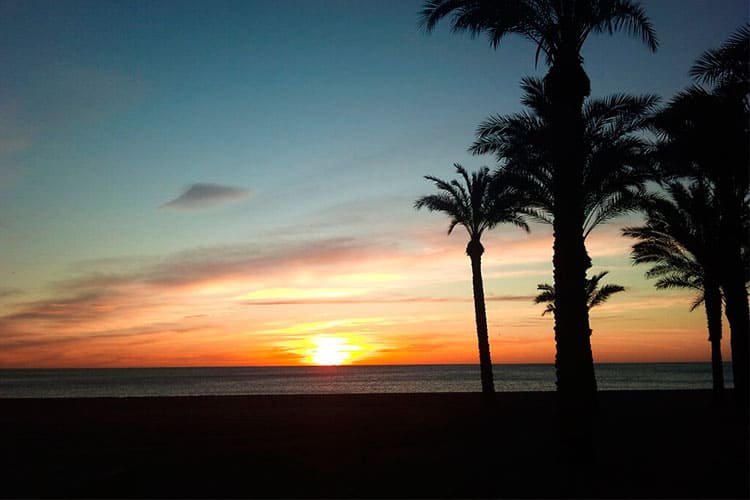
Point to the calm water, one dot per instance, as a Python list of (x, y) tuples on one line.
[(326, 380)]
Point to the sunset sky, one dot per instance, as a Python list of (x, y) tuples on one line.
[(232, 183)]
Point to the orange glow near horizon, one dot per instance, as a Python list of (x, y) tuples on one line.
[(368, 306), (235, 190)]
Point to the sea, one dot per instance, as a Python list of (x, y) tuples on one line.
[(218, 381)]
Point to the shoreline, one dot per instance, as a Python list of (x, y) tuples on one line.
[(647, 444)]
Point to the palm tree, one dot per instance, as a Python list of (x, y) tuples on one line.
[(614, 171), (704, 135), (594, 295), (479, 204), (726, 69), (681, 241), (616, 166), (559, 28)]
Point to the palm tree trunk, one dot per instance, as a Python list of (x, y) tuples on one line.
[(475, 250), (567, 85), (737, 316), (712, 297), (733, 284)]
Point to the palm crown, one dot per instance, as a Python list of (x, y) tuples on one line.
[(679, 239), (554, 26), (614, 174), (700, 121), (595, 295), (479, 204), (726, 67)]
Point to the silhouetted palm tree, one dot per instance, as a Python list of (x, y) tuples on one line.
[(479, 204), (559, 29), (704, 134), (615, 170), (595, 295), (726, 69), (680, 240)]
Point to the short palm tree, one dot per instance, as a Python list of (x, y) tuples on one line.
[(479, 204), (680, 240), (595, 295), (559, 29)]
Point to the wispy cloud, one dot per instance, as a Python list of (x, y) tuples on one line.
[(186, 283), (8, 291), (335, 271), (384, 300), (369, 300), (509, 298), (201, 196)]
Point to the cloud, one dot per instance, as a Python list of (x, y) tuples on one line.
[(208, 280), (188, 283), (272, 261), (374, 300), (385, 300), (202, 195), (8, 291), (510, 298)]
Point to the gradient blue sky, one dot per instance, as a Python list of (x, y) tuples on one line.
[(303, 125)]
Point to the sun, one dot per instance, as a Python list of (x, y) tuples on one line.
[(330, 350)]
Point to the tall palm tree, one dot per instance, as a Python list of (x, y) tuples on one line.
[(616, 166), (681, 241), (559, 28), (614, 170), (479, 204), (595, 295), (704, 135)]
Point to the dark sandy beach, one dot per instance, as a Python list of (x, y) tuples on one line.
[(646, 444)]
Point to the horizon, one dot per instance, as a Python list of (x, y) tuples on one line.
[(727, 364), (232, 185)]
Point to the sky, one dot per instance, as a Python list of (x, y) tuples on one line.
[(232, 183)]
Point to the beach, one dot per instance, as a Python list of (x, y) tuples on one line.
[(646, 444)]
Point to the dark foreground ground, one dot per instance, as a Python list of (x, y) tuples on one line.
[(646, 444)]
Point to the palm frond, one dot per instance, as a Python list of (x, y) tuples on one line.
[(595, 295), (496, 19), (676, 281), (604, 293), (680, 239), (547, 296), (699, 299), (623, 15), (616, 167), (726, 64)]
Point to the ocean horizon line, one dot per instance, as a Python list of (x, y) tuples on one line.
[(353, 365), (311, 379)]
